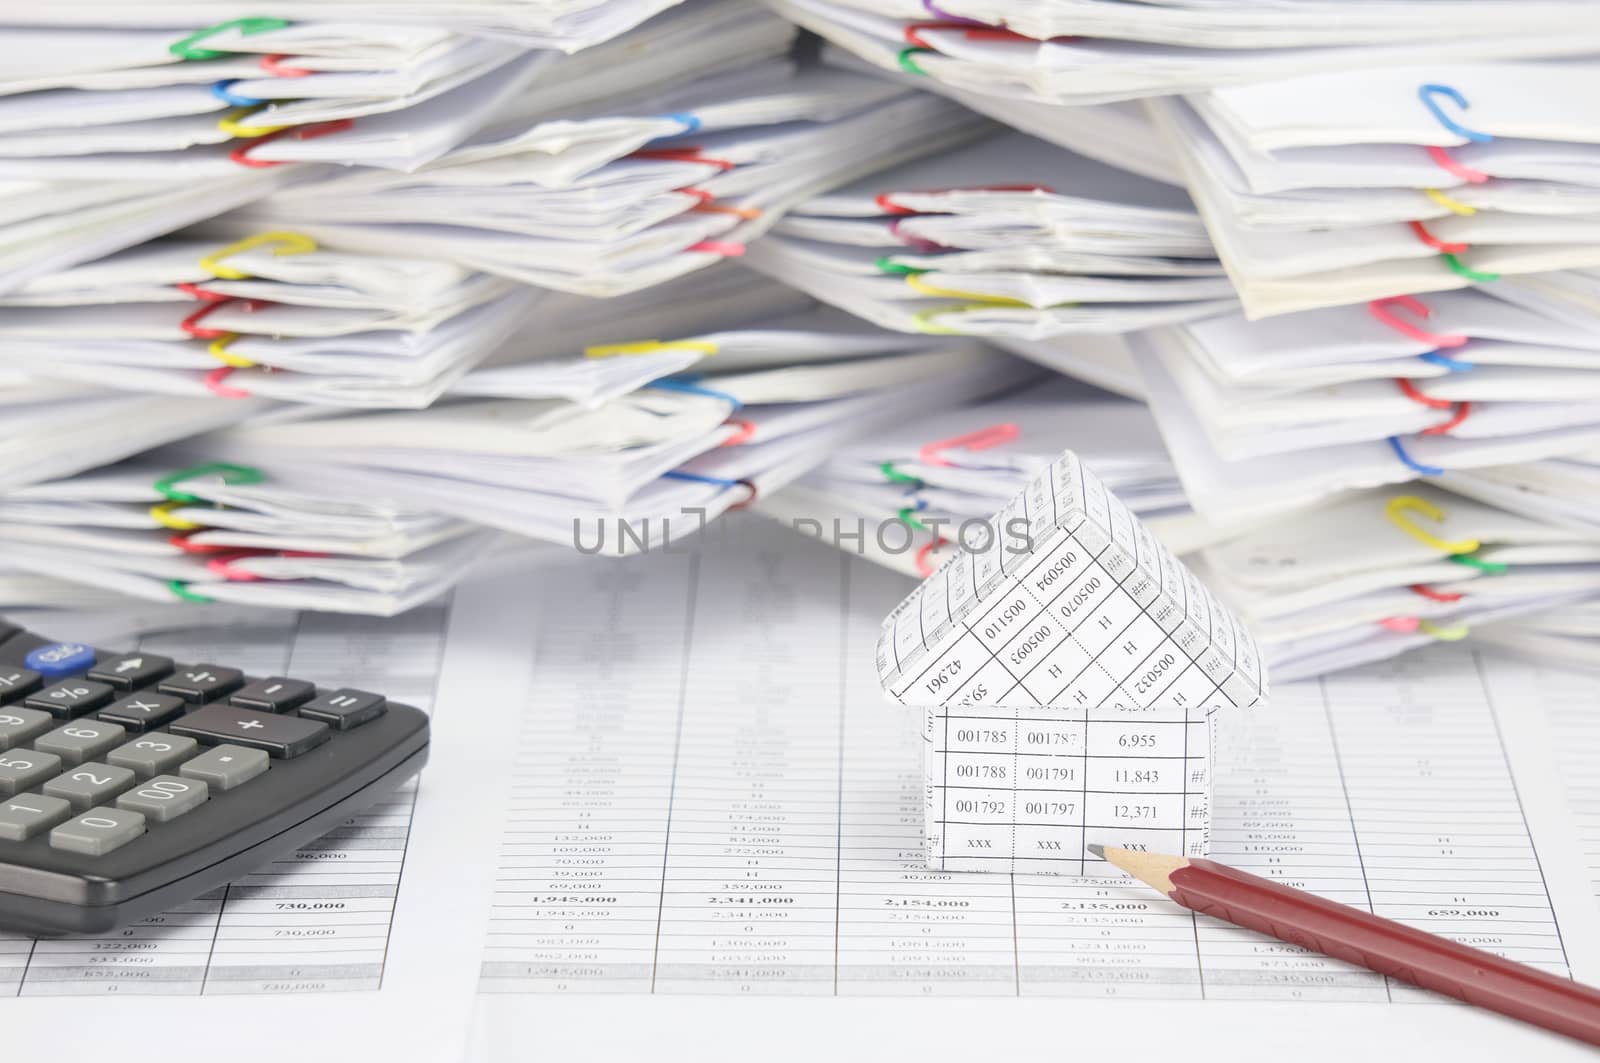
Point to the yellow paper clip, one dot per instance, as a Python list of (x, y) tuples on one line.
[(1454, 206), (229, 123), (1453, 633), (608, 350), (163, 515), (289, 244), (218, 349), (923, 322), (915, 282), (1397, 508)]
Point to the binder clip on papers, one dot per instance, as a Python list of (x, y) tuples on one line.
[(1069, 666)]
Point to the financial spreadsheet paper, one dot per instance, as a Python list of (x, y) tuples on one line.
[(710, 796), (1068, 666)]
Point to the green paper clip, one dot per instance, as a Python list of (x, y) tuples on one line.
[(186, 50), (181, 590), (888, 265), (907, 64), (1476, 276), (1493, 568), (908, 520), (894, 475), (231, 474)]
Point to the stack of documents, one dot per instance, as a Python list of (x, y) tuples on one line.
[(1346, 186), (570, 197), (1094, 51), (904, 495), (1381, 572), (1277, 414), (120, 123), (226, 533), (1007, 237), (285, 319), (664, 459)]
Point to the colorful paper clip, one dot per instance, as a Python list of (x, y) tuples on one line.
[(610, 350), (163, 514), (924, 567), (1433, 241), (1453, 633), (944, 16), (181, 591), (273, 64), (191, 324), (1454, 206), (915, 282), (724, 248), (214, 383), (232, 475), (1426, 93), (748, 500), (185, 49), (982, 439), (1444, 361), (288, 243), (1433, 595), (1475, 275), (1397, 510), (1446, 162), (241, 154), (909, 65), (895, 476), (224, 566), (230, 123), (1410, 391), (746, 430), (1403, 625), (1379, 308), (690, 385)]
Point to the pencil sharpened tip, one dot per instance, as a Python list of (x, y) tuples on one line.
[(1098, 850)]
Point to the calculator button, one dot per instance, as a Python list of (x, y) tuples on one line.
[(23, 769), (281, 736), (274, 695), (7, 630), (69, 700), (60, 659), (132, 670), (154, 754), (18, 683), (225, 767), (19, 726), (142, 712), (202, 683), (98, 831), (81, 740), (344, 709), (90, 784), (165, 797), (23, 817)]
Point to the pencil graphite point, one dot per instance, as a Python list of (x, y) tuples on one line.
[(1098, 850)]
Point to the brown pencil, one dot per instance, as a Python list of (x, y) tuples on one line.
[(1394, 949)]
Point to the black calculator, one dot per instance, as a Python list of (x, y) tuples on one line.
[(130, 783)]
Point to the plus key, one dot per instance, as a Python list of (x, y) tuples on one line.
[(281, 737)]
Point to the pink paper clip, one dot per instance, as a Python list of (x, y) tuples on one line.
[(924, 567), (214, 383), (916, 243), (1443, 160), (1404, 625), (223, 566), (718, 247), (982, 439), (1379, 308)]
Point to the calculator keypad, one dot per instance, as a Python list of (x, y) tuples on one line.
[(162, 741)]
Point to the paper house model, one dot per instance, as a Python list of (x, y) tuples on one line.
[(1069, 666)]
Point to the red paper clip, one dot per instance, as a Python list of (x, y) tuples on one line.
[(1445, 162), (889, 206), (1442, 246), (982, 439), (689, 154), (749, 500), (1433, 595), (924, 569), (223, 566), (916, 243), (191, 324), (241, 154), (182, 542), (1409, 391), (273, 64), (214, 383), (1443, 427), (194, 291), (1379, 308), (914, 28), (718, 247), (746, 430)]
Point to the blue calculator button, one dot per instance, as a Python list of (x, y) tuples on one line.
[(60, 658)]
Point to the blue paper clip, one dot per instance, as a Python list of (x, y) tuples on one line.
[(690, 123), (694, 477), (222, 91), (1410, 462), (689, 385), (1427, 93), (1444, 361)]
